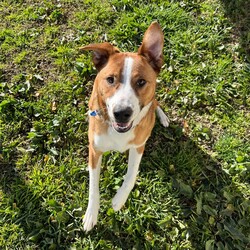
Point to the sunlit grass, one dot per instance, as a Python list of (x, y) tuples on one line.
[(192, 191)]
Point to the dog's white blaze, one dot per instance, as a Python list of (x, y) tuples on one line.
[(125, 96), (127, 71)]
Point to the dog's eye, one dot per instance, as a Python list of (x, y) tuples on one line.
[(141, 82), (110, 80)]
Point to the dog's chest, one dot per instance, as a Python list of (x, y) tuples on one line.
[(113, 140)]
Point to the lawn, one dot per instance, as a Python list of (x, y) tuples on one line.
[(193, 189)]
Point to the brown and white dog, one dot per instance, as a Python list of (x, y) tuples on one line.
[(122, 111)]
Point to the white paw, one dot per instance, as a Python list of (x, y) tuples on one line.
[(90, 218), (119, 199), (164, 121), (163, 118)]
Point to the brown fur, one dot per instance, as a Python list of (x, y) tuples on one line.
[(145, 66)]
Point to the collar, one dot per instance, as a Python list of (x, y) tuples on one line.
[(93, 113)]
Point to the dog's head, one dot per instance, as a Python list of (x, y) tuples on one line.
[(125, 84)]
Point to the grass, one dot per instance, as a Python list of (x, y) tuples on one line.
[(193, 188)]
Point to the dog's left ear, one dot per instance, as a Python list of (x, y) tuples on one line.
[(101, 53), (152, 46)]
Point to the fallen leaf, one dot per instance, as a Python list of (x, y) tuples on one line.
[(53, 106)]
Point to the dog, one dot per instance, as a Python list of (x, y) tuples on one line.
[(122, 110)]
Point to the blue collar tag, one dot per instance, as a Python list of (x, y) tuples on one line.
[(93, 113)]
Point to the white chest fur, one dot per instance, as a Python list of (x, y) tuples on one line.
[(113, 140)]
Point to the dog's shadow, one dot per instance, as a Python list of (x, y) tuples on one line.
[(182, 197)]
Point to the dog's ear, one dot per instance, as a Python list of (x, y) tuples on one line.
[(152, 46), (101, 53)]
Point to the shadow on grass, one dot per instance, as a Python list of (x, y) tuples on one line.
[(193, 204), (214, 208), (196, 205), (239, 13), (22, 210), (29, 219)]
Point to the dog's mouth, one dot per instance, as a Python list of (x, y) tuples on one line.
[(121, 127)]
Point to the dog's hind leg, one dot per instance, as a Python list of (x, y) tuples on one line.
[(163, 118), (135, 155)]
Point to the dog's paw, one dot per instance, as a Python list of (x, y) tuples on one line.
[(120, 198), (90, 219), (164, 121), (163, 118)]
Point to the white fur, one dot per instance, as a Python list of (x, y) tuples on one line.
[(142, 114), (127, 70), (113, 140), (90, 218), (163, 118), (129, 180), (125, 96)]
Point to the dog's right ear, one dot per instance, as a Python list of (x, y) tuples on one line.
[(101, 53)]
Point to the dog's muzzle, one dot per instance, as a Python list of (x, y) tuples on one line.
[(122, 117)]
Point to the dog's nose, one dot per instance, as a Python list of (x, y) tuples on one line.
[(123, 115)]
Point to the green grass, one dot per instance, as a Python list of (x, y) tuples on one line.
[(193, 188)]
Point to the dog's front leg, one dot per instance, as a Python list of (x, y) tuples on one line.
[(163, 118), (135, 155), (90, 218)]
